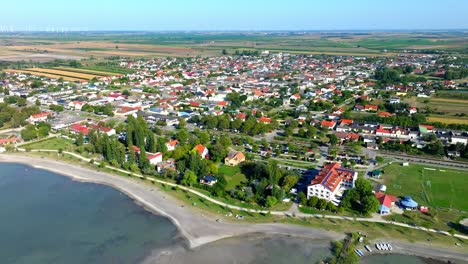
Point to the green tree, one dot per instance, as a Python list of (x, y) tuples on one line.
[(270, 201), (29, 133), (79, 139), (289, 181), (189, 178), (333, 139)]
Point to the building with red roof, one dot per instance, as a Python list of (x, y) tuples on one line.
[(79, 128), (4, 141), (386, 202), (35, 118), (155, 158), (331, 182)]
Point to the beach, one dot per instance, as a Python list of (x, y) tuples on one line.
[(200, 229)]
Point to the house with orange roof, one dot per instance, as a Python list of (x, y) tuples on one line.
[(201, 150), (265, 120), (172, 144), (241, 116), (331, 182), (384, 114), (234, 158), (328, 124), (371, 107)]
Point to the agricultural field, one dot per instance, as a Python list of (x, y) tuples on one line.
[(435, 187), (52, 76), (102, 45), (86, 71), (443, 110), (68, 74)]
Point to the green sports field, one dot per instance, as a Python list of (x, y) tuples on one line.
[(435, 187)]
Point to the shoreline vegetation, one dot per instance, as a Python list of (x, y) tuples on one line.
[(201, 226)]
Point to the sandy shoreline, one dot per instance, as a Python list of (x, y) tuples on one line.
[(201, 229)]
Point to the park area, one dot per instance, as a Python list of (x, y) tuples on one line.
[(434, 187)]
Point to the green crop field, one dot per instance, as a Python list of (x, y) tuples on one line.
[(436, 187)]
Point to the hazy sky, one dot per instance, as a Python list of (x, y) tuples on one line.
[(234, 14)]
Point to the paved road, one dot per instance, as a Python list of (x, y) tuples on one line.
[(289, 213)]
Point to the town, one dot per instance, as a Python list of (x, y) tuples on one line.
[(263, 129)]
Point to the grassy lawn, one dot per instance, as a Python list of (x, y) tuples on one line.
[(233, 176), (428, 186), (52, 143)]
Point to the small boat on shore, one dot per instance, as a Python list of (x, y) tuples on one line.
[(359, 252), (389, 247), (378, 246), (368, 248)]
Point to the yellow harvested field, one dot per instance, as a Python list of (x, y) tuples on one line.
[(52, 76), (64, 73), (448, 120), (80, 70), (447, 100)]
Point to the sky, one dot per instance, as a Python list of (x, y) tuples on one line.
[(226, 15)]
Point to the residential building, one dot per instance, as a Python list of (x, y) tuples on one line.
[(234, 158), (331, 182)]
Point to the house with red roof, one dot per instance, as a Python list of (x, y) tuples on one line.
[(386, 202), (4, 141), (201, 150), (35, 118), (328, 124), (413, 110), (331, 182), (155, 158), (79, 128)]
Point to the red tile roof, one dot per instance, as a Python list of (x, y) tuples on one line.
[(34, 116), (332, 175), (7, 140), (330, 123), (153, 156), (385, 199), (80, 129)]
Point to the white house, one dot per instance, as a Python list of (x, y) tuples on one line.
[(155, 158), (172, 144)]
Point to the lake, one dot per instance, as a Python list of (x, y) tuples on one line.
[(48, 218)]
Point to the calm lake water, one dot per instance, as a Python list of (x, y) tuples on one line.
[(48, 218)]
